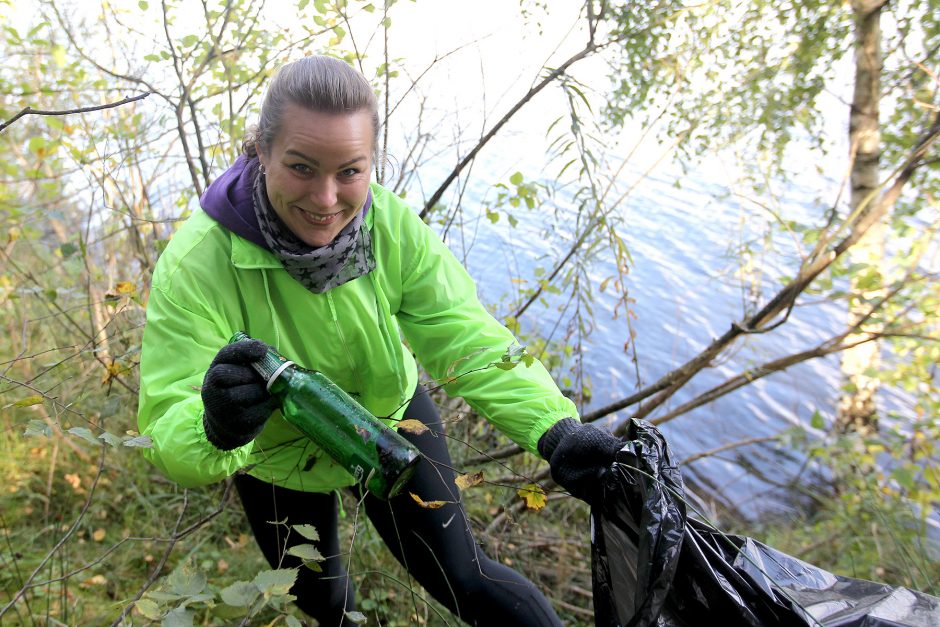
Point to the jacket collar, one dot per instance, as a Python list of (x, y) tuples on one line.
[(248, 255)]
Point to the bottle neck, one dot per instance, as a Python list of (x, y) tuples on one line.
[(271, 367)]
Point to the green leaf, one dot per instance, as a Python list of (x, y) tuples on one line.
[(904, 477), (153, 57), (110, 439), (149, 609), (186, 581), (85, 434), (179, 617), (240, 594), (356, 617), (292, 621), (68, 249), (516, 178), (58, 55), (37, 427), (272, 582), (163, 597), (493, 216), (29, 401), (37, 144), (305, 552), (308, 531), (189, 41), (143, 4), (817, 422), (140, 441)]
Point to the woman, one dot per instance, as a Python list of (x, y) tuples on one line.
[(297, 248)]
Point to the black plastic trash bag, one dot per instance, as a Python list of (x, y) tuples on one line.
[(653, 565)]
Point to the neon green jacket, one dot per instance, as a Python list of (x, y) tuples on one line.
[(210, 282)]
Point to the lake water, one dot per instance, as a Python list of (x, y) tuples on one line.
[(681, 239), (683, 280)]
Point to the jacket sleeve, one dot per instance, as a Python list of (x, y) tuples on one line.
[(178, 346), (456, 339)]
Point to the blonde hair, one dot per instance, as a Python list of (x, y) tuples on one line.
[(319, 83)]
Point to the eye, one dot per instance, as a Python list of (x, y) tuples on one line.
[(349, 172), (301, 168)]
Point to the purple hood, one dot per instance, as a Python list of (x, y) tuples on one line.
[(229, 200)]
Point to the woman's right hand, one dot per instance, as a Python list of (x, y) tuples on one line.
[(234, 397)]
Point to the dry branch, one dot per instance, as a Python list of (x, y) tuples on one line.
[(30, 111)]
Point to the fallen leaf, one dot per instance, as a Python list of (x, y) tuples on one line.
[(468, 481), (98, 535), (96, 580), (427, 504), (73, 480), (240, 543), (534, 496)]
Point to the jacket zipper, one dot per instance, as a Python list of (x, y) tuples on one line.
[(339, 331)]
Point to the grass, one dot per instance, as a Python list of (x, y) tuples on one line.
[(96, 537)]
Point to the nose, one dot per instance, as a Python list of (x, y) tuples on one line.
[(323, 192)]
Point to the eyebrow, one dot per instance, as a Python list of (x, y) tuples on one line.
[(297, 153)]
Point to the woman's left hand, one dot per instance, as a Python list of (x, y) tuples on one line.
[(579, 455)]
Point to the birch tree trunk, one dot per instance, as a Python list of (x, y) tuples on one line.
[(857, 409)]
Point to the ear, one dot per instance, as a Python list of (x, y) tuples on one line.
[(262, 158)]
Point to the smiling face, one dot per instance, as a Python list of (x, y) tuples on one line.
[(317, 171)]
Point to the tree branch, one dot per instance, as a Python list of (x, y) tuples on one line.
[(551, 77), (30, 111), (860, 222)]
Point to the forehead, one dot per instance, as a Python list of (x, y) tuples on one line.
[(330, 132)]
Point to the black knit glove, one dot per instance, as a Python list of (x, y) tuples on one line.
[(234, 396), (579, 456)]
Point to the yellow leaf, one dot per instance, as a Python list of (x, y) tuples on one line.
[(73, 480), (29, 401), (534, 496), (125, 287), (114, 370), (412, 426), (427, 504), (468, 481)]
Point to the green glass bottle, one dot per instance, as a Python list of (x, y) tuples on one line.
[(376, 455)]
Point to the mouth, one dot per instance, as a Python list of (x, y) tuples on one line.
[(318, 219)]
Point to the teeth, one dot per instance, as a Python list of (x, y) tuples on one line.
[(319, 218)]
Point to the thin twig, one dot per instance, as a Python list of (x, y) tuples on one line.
[(30, 111), (726, 447)]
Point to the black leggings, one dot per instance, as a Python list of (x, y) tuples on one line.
[(435, 545)]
